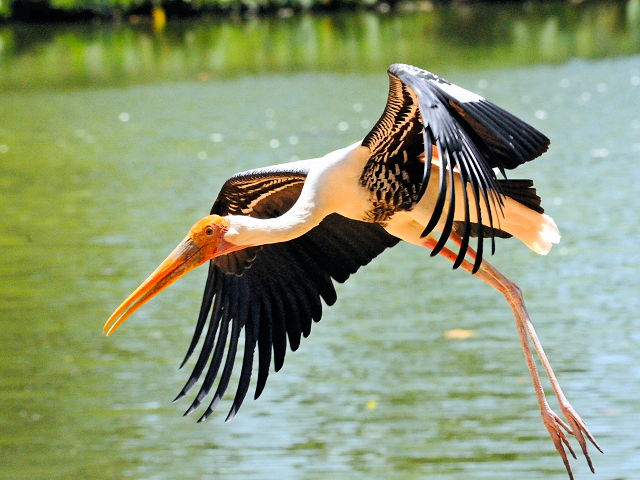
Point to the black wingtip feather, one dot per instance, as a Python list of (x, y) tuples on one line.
[(188, 386), (279, 330), (448, 225), (273, 294), (205, 307), (427, 137), (464, 244), (486, 137), (511, 141), (479, 252), (245, 373), (442, 193), (264, 347), (208, 343), (216, 360), (232, 412), (226, 371), (193, 407)]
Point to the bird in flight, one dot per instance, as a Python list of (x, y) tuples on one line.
[(431, 172)]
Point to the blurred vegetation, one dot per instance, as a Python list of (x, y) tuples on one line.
[(444, 39), (64, 10), (159, 10)]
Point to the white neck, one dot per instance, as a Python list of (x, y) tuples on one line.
[(328, 188), (249, 231)]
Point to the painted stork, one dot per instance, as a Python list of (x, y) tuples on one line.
[(277, 237)]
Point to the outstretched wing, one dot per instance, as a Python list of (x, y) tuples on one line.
[(470, 133), (272, 292)]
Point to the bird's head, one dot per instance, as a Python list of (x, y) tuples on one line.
[(205, 240)]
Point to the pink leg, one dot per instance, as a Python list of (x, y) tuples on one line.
[(513, 295)]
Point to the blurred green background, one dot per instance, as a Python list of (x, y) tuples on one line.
[(115, 137), (458, 37)]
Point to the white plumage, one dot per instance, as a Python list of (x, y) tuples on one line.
[(431, 172)]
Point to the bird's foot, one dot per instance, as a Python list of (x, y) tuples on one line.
[(555, 425), (580, 431), (576, 427)]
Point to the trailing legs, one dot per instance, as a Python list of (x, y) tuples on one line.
[(553, 423)]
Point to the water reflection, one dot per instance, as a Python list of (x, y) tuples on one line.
[(451, 38)]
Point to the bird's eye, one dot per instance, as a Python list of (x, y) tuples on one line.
[(209, 231)]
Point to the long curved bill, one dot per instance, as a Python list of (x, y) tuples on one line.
[(185, 257)]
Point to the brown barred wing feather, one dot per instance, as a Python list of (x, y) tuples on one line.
[(471, 134)]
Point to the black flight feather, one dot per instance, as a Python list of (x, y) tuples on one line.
[(274, 293), (472, 134)]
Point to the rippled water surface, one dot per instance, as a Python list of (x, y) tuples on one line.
[(99, 182)]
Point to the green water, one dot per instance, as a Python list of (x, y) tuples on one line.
[(114, 140)]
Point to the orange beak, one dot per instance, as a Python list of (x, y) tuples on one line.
[(185, 257)]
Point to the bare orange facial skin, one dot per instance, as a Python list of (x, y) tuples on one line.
[(208, 233), (204, 241)]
